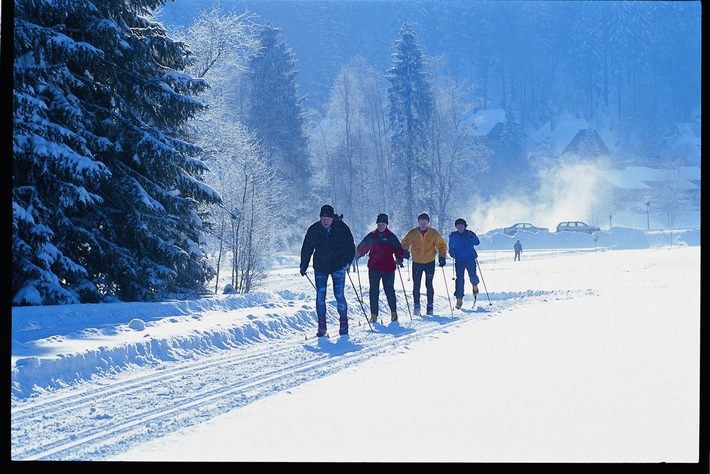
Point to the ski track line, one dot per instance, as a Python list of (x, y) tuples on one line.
[(120, 414)]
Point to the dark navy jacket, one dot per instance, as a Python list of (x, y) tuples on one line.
[(331, 250)]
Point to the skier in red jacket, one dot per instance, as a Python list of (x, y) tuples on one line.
[(385, 252)]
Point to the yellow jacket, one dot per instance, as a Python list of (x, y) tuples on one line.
[(424, 246)]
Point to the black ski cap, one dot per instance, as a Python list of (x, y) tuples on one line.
[(327, 211)]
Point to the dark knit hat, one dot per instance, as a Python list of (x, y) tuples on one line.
[(423, 215), (460, 220), (382, 218), (327, 211)]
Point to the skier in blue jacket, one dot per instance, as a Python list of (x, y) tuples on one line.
[(461, 249)]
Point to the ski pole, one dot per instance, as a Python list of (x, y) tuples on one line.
[(447, 291), (484, 283), (405, 294), (360, 285), (362, 305), (453, 270), (357, 268)]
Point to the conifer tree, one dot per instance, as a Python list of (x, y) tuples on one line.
[(411, 102), (104, 186), (274, 108)]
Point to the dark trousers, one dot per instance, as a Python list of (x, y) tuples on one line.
[(388, 284), (462, 267), (417, 270)]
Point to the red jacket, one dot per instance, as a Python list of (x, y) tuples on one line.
[(384, 249)]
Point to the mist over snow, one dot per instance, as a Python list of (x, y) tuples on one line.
[(567, 192)]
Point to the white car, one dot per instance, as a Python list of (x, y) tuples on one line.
[(526, 226), (576, 226)]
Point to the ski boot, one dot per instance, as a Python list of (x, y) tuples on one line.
[(343, 325)]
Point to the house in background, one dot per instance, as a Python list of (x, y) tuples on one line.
[(668, 192), (486, 120), (564, 135), (672, 192), (586, 143)]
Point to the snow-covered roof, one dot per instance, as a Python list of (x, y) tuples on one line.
[(486, 119), (589, 140), (559, 132)]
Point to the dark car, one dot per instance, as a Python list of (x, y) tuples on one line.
[(526, 226), (576, 226)]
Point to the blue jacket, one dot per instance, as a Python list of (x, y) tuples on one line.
[(461, 246)]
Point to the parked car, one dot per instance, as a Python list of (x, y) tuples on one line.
[(526, 226), (576, 226)]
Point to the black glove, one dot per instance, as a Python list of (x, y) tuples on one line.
[(400, 263), (442, 261), (347, 267), (470, 234), (303, 271), (406, 254)]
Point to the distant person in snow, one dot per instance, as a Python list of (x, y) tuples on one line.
[(332, 246), (518, 247), (462, 250), (424, 242), (385, 251)]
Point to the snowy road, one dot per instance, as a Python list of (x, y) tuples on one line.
[(138, 404)]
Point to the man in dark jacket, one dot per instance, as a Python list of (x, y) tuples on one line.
[(518, 247), (461, 249), (331, 244), (384, 248)]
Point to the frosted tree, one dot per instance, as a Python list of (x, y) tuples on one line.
[(349, 146), (251, 193), (223, 45), (105, 188), (410, 102), (454, 156), (274, 111), (220, 44)]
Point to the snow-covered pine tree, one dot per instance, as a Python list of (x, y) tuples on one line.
[(411, 102), (274, 110), (104, 187)]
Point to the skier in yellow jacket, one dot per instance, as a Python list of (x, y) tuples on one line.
[(424, 242)]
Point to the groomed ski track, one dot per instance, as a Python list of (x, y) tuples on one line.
[(138, 404)]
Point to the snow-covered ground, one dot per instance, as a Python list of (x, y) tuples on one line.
[(584, 351)]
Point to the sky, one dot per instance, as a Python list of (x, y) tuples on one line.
[(585, 351)]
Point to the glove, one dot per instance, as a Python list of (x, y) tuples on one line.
[(470, 233), (347, 268), (303, 271), (442, 261), (406, 254), (400, 263)]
